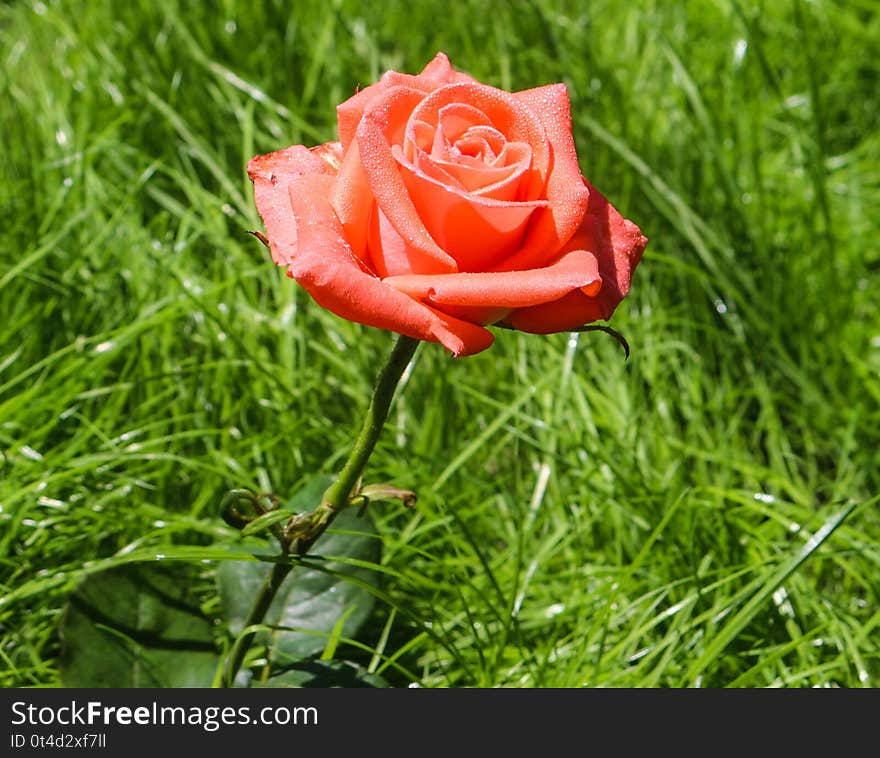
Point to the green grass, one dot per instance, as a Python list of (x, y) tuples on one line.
[(703, 514)]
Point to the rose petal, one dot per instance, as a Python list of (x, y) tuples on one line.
[(271, 173), (568, 196), (493, 182), (498, 180), (383, 125), (353, 200), (389, 252), (506, 113), (440, 70), (298, 216), (437, 73), (455, 119), (512, 289), (476, 231), (618, 245), (569, 312)]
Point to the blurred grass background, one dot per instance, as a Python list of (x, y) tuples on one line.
[(700, 515)]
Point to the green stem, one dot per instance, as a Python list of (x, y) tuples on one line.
[(334, 500), (337, 494), (258, 611)]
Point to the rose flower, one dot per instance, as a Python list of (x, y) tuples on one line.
[(445, 206)]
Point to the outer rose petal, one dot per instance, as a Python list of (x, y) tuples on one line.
[(550, 229), (512, 289), (303, 228), (276, 170), (618, 245)]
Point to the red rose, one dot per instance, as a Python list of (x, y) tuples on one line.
[(446, 205)]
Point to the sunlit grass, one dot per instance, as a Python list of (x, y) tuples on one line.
[(703, 514)]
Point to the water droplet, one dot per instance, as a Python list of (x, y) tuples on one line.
[(115, 95), (28, 452), (780, 598), (61, 137), (51, 502), (739, 51), (721, 306), (764, 497), (230, 27), (103, 347)]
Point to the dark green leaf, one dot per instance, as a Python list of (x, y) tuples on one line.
[(317, 673), (136, 626), (311, 600)]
